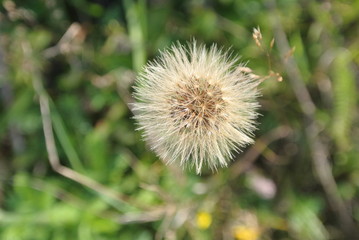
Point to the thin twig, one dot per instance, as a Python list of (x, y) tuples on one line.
[(261, 145), (143, 217), (53, 154), (318, 149)]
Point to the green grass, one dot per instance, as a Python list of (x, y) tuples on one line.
[(87, 75)]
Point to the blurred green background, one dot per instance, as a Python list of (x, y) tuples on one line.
[(68, 67)]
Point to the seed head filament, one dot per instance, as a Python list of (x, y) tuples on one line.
[(197, 104), (194, 107)]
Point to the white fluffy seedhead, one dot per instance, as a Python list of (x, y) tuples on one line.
[(195, 106)]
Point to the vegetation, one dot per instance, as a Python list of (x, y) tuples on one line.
[(73, 166)]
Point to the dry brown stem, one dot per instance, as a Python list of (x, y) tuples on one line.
[(257, 149), (53, 154), (319, 151)]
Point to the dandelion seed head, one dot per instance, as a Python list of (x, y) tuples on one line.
[(195, 106)]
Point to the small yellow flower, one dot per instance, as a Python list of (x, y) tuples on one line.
[(204, 220), (246, 233)]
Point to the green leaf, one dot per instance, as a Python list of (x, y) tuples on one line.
[(304, 221)]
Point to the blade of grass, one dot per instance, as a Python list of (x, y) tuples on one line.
[(65, 141), (344, 99), (136, 18), (110, 196)]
